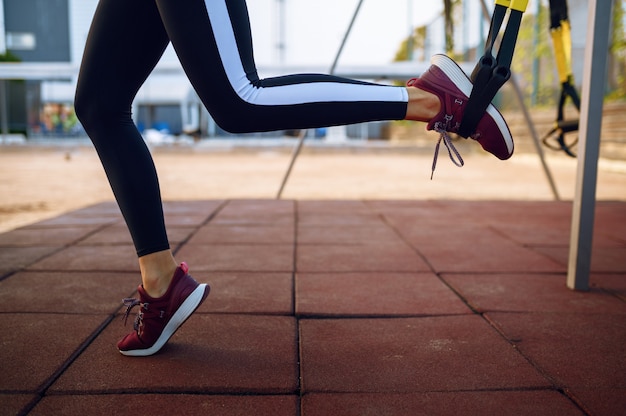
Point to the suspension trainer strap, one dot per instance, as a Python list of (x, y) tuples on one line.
[(491, 72), (560, 31)]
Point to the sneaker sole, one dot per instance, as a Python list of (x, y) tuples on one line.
[(186, 309), (460, 79)]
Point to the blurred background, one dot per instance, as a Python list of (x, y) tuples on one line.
[(390, 39)]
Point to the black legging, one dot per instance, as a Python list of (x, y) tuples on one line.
[(213, 42)]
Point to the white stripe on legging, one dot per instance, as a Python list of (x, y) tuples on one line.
[(288, 94)]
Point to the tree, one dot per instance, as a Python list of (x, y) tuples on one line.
[(416, 42), (617, 50), (448, 9)]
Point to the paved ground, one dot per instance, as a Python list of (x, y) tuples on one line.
[(350, 305), (39, 182)]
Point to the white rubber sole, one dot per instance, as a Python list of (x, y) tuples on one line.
[(180, 316), (460, 79)]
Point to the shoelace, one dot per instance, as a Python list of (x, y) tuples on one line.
[(441, 128), (130, 303)]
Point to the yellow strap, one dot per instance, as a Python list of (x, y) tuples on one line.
[(519, 5), (562, 41)]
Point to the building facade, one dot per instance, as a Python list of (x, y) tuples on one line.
[(55, 32)]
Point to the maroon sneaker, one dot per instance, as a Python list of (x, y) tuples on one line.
[(158, 319), (447, 80)]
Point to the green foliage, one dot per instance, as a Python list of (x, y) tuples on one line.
[(617, 49), (417, 41), (9, 57), (618, 40), (533, 62)]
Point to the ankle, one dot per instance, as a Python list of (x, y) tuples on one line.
[(422, 105), (156, 286), (157, 271)]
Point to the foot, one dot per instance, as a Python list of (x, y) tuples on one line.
[(158, 319), (447, 80)]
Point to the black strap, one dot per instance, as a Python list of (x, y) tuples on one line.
[(558, 13), (557, 133), (559, 16), (491, 73)]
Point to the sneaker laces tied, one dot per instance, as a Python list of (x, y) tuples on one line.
[(130, 303), (442, 129)]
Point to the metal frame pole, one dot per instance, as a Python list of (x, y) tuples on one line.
[(535, 136), (593, 89)]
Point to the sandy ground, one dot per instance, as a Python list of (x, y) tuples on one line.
[(39, 182)]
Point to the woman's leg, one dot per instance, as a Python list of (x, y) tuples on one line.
[(124, 45), (213, 41), (125, 42)]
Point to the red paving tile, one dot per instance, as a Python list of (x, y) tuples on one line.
[(482, 403), (112, 234), (92, 258), (530, 293), (186, 219), (612, 283), (603, 259), (210, 354), (401, 212), (585, 350), (246, 292), (340, 219), (239, 257), (333, 207), (118, 234), (12, 404), (247, 212), (550, 234), (66, 292), (35, 346), (24, 237), (379, 234), (476, 249), (536, 234), (609, 221), (207, 207), (601, 401), (323, 307), (78, 220), (168, 404), (264, 218), (363, 258), (253, 234), (375, 294), (16, 258), (509, 212), (474, 213), (452, 353)]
